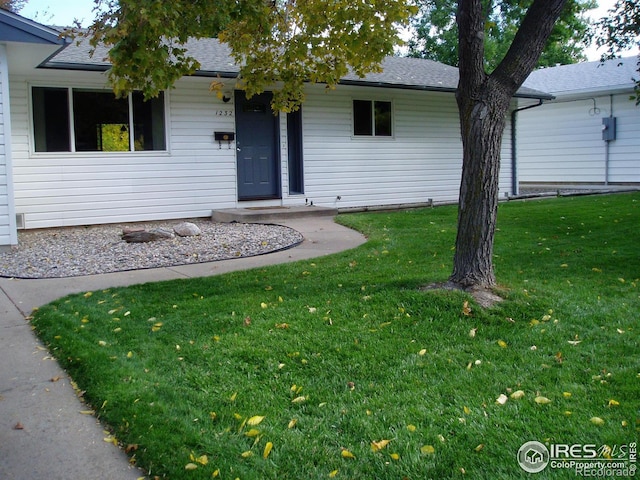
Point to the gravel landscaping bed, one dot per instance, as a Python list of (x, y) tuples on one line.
[(73, 251)]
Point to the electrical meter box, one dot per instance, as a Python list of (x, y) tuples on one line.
[(608, 128)]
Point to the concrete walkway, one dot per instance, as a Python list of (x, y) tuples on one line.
[(43, 435)]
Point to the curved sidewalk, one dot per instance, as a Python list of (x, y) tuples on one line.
[(43, 435)]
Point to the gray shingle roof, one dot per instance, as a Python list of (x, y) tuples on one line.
[(215, 59), (587, 77)]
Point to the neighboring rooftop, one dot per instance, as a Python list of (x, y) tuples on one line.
[(588, 77), (215, 60)]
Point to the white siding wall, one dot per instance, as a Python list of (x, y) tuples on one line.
[(561, 142), (8, 234), (191, 179), (422, 161)]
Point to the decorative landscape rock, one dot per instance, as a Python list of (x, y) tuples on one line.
[(98, 249), (142, 236), (187, 229)]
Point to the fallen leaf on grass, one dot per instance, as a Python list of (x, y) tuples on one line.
[(333, 473), (479, 447), (190, 466), (395, 456), (502, 399), (292, 423), (255, 420), (597, 421), (267, 450), (466, 310), (541, 400), (502, 343), (613, 403), (379, 445), (517, 395), (427, 449), (254, 432), (347, 454), (411, 428), (246, 454), (298, 399)]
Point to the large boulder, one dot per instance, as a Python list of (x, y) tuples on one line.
[(187, 229)]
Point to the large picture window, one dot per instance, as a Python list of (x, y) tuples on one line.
[(372, 118), (96, 121)]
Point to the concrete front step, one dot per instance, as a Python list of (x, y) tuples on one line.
[(269, 214)]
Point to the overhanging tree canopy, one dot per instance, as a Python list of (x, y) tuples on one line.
[(279, 43)]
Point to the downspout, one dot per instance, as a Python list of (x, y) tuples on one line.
[(514, 160)]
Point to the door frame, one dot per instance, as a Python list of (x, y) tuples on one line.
[(239, 101)]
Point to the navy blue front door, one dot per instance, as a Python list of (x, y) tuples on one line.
[(256, 142)]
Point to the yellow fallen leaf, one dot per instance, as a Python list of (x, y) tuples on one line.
[(427, 449), (156, 326), (233, 396), (255, 420), (292, 423), (87, 412), (466, 310), (479, 447), (246, 454), (379, 445), (422, 352), (111, 439), (102, 343), (216, 473), (190, 466), (517, 395), (466, 410), (541, 400), (333, 473), (411, 428), (267, 449), (253, 432), (566, 394), (202, 460), (298, 399), (613, 403), (263, 305), (395, 456), (502, 343), (472, 332), (347, 454), (88, 294), (597, 421)]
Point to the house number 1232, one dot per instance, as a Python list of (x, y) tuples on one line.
[(224, 113)]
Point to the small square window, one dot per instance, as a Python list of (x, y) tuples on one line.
[(372, 118)]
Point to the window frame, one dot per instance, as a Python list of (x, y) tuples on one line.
[(373, 134), (71, 119)]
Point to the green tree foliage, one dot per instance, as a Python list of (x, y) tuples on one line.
[(619, 30), (435, 32), (278, 42), (12, 5)]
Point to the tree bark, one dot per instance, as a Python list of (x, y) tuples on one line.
[(483, 105)]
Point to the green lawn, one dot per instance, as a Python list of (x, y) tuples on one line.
[(346, 350)]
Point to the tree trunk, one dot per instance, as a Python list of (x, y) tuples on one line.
[(483, 104), (482, 123)]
